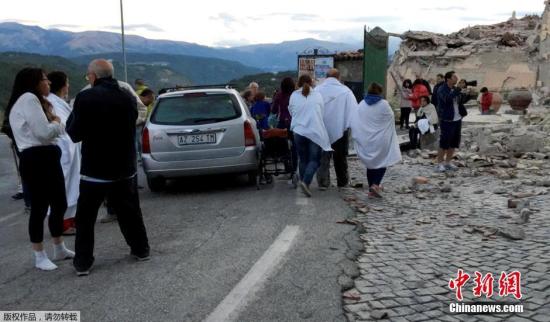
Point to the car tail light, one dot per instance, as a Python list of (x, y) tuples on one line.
[(249, 137), (145, 145)]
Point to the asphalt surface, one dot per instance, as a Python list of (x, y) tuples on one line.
[(205, 235)]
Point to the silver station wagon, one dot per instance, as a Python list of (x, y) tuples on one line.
[(194, 132)]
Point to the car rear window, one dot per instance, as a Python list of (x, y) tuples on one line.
[(196, 108)]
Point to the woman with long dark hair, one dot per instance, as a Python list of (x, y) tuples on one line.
[(280, 108), (310, 135), (35, 129)]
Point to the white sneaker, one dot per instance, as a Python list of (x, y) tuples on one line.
[(441, 168), (42, 262), (62, 253)]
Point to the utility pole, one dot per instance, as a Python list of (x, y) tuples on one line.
[(123, 44)]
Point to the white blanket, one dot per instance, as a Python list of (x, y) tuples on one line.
[(70, 156), (339, 105), (307, 117), (375, 139)]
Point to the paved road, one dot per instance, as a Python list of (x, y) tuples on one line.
[(205, 234), (425, 234)]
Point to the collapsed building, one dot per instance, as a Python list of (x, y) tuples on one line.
[(500, 57)]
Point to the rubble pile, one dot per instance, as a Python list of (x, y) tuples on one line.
[(502, 56)]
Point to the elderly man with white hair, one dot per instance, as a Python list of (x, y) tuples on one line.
[(104, 120), (340, 103)]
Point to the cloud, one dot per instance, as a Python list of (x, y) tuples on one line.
[(21, 21), (372, 19), (450, 8), (287, 15), (137, 27), (347, 36), (477, 19), (232, 42), (228, 20), (64, 26)]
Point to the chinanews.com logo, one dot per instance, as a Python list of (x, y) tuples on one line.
[(509, 285)]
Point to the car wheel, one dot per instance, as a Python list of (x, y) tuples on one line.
[(156, 184)]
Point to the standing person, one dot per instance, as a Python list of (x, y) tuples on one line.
[(440, 80), (280, 103), (451, 108), (406, 106), (108, 163), (110, 215), (373, 130), (139, 86), (254, 88), (418, 90), (147, 97), (70, 152), (339, 105), (35, 129), (279, 107), (310, 135), (248, 98)]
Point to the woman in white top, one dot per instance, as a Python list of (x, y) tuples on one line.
[(35, 129), (70, 151), (310, 135), (373, 131)]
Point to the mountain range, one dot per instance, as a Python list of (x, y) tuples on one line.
[(268, 57)]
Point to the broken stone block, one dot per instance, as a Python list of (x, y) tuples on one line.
[(513, 233), (524, 215), (420, 180)]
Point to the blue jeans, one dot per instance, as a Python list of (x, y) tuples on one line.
[(374, 176), (309, 155)]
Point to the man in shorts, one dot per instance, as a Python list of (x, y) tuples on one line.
[(449, 96)]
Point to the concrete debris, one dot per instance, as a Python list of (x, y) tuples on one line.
[(501, 56)]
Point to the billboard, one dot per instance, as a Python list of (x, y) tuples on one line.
[(315, 66)]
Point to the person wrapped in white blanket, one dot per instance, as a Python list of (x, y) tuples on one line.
[(70, 152), (339, 105), (375, 139)]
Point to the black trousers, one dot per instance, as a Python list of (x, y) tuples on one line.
[(43, 176), (123, 197), (404, 118), (339, 155), (374, 176)]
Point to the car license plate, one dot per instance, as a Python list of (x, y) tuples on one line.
[(192, 139)]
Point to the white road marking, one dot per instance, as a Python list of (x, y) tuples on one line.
[(252, 282), (10, 216)]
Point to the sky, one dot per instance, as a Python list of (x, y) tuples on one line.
[(224, 23)]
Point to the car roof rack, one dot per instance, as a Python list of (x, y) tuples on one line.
[(179, 88)]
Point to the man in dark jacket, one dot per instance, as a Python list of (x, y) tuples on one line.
[(440, 81), (450, 105), (104, 120)]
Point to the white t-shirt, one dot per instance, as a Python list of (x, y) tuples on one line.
[(457, 112), (29, 123)]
